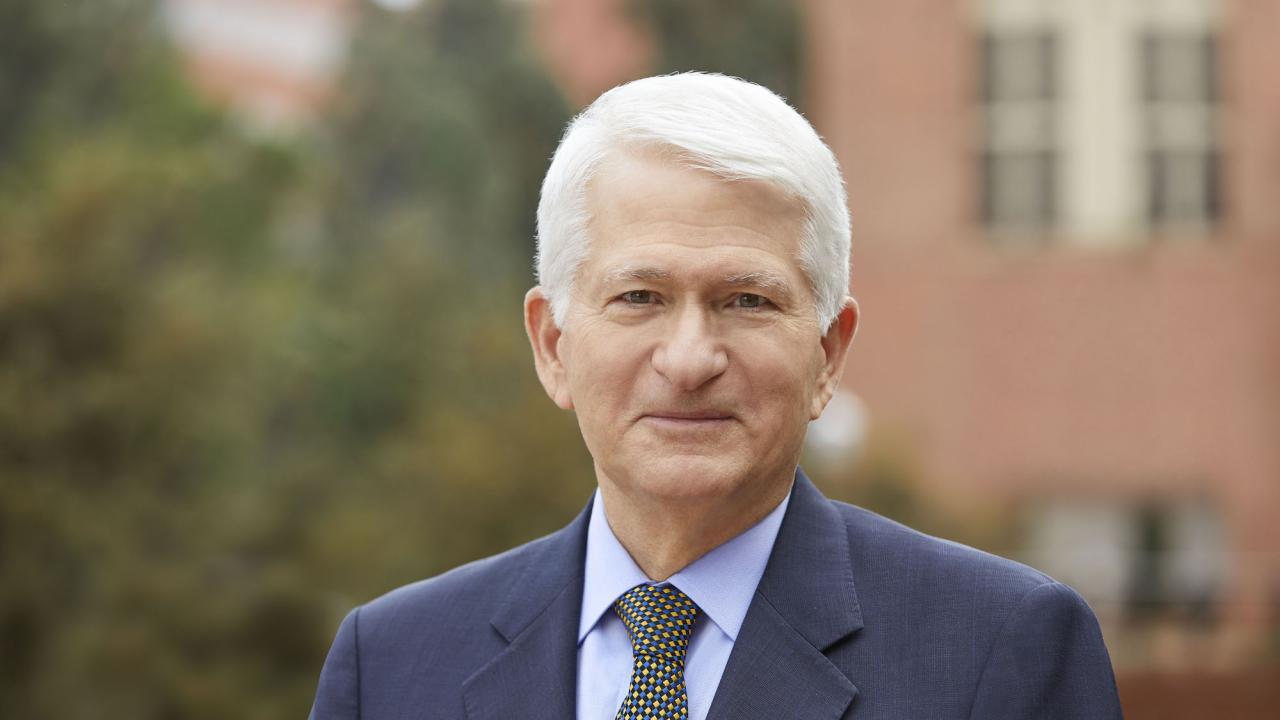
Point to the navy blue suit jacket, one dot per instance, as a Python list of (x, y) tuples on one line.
[(856, 616)]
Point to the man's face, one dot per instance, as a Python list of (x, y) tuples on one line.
[(691, 352)]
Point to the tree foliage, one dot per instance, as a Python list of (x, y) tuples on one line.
[(757, 40), (243, 385), (246, 385)]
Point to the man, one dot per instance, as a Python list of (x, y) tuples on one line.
[(693, 311)]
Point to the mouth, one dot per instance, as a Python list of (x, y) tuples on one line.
[(687, 419)]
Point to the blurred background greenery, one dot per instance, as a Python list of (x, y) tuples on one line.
[(249, 381)]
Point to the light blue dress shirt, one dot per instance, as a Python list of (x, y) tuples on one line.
[(722, 583)]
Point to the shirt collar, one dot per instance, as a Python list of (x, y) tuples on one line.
[(722, 582)]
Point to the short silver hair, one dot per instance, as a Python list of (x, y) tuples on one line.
[(729, 127)]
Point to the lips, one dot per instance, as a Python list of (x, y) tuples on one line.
[(684, 421), (692, 415)]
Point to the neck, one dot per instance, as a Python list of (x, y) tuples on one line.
[(664, 535)]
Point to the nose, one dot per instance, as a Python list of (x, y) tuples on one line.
[(691, 354)]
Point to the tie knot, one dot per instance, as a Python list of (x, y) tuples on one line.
[(659, 618)]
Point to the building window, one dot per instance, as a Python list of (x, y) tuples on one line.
[(1099, 120), (1133, 561), (1179, 99), (1020, 147)]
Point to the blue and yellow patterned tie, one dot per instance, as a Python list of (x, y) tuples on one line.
[(660, 620)]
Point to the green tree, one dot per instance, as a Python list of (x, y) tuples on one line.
[(134, 241), (757, 40), (244, 386), (441, 445)]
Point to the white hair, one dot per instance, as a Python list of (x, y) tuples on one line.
[(729, 127)]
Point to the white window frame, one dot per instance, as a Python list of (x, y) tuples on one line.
[(1102, 178)]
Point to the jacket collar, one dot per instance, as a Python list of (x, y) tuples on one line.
[(809, 578), (535, 677), (804, 604), (556, 569)]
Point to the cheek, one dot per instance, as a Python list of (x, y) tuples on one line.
[(781, 371), (775, 400), (602, 371)]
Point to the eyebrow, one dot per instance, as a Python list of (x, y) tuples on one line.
[(770, 283), (631, 274)]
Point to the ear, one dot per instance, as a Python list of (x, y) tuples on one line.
[(544, 336), (835, 348)]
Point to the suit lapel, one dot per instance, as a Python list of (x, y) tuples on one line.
[(535, 677), (805, 603)]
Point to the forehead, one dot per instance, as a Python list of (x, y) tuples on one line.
[(646, 203)]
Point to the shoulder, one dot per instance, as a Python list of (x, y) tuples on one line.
[(475, 588), (897, 568), (880, 544), (998, 637), (424, 639)]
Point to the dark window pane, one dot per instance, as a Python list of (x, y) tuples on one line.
[(1019, 190), (1178, 67), (1180, 88), (1018, 163), (1182, 187), (1209, 56), (1019, 66)]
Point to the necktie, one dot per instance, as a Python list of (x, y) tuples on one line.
[(660, 620)]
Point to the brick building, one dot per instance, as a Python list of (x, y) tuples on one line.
[(1068, 254)]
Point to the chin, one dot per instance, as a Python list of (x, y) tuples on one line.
[(685, 477)]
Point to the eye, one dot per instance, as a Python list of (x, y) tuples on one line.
[(751, 301), (637, 297)]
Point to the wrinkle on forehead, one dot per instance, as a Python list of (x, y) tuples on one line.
[(615, 193), (652, 219)]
